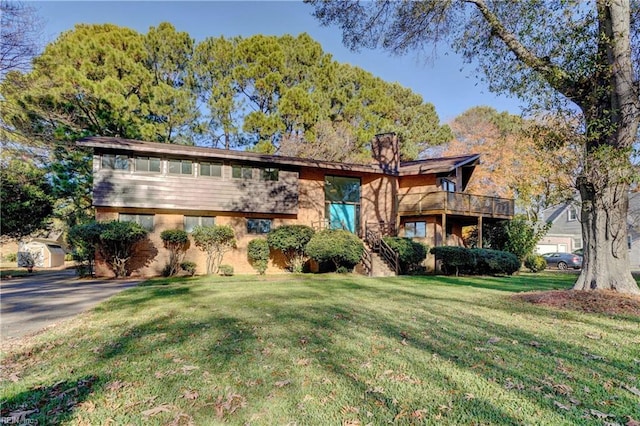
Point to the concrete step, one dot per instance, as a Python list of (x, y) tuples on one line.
[(380, 267)]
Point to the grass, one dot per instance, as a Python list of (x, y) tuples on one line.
[(329, 349)]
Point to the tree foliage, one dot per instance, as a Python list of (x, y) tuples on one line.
[(26, 198), (572, 58), (215, 241), (529, 160), (518, 236)]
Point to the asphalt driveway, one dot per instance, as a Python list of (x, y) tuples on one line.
[(31, 303)]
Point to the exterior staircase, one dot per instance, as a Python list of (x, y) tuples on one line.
[(379, 260)]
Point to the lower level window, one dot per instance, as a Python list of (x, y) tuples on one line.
[(190, 222), (415, 229), (144, 220), (258, 226)]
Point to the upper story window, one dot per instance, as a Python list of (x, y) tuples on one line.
[(115, 162), (258, 226), (211, 169), (180, 167), (572, 214), (269, 174), (415, 230), (148, 164), (190, 222), (241, 172), (144, 220), (448, 185)]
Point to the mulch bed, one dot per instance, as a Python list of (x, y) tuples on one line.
[(601, 301)]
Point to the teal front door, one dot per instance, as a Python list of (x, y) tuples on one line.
[(342, 216)]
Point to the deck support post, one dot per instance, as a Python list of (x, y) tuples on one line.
[(479, 243)]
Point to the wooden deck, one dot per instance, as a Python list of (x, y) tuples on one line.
[(455, 203)]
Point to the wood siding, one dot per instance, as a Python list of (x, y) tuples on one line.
[(116, 188)]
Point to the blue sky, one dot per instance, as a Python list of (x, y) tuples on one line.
[(445, 82)]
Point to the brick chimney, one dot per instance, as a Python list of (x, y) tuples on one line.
[(386, 152)]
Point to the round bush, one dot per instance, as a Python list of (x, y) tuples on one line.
[(258, 254), (535, 263), (411, 253), (339, 247)]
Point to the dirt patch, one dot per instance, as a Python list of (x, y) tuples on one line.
[(602, 302)]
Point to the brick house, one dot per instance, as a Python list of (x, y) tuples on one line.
[(166, 186)]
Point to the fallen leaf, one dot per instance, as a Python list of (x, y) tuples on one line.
[(599, 414), (303, 362), (469, 396), (634, 390), (632, 422), (187, 368), (283, 383), (115, 385), (593, 336), (561, 406), (190, 394), (493, 340), (162, 408), (563, 389), (14, 377), (534, 344)]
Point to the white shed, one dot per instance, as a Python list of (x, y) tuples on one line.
[(41, 253)]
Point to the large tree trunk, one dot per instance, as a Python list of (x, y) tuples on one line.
[(611, 107), (604, 230)]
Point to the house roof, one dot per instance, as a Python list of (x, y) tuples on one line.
[(438, 165), (433, 165)]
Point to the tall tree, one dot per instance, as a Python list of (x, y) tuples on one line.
[(98, 80), (281, 94), (560, 54)]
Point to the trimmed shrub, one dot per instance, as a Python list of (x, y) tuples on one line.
[(226, 270), (189, 267), (455, 259), (214, 240), (176, 241), (291, 240), (258, 254), (491, 262), (411, 253), (338, 247), (117, 240), (535, 263)]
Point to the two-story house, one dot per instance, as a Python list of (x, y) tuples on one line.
[(565, 233), (165, 186)]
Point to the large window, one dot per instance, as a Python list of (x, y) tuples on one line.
[(258, 226), (180, 167), (415, 229), (144, 220), (269, 174), (211, 169), (147, 164), (241, 172), (115, 162), (342, 189), (448, 185), (190, 222)]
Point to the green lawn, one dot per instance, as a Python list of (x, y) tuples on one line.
[(329, 350)]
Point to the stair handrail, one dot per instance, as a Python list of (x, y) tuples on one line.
[(367, 262), (390, 256)]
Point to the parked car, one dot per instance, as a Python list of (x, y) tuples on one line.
[(563, 260)]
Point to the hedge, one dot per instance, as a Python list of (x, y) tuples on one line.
[(411, 253), (456, 260)]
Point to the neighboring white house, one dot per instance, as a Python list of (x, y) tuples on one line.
[(565, 233)]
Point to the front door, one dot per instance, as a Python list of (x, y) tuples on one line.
[(342, 216), (342, 198)]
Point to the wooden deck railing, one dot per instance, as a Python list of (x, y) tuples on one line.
[(455, 203), (373, 238)]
